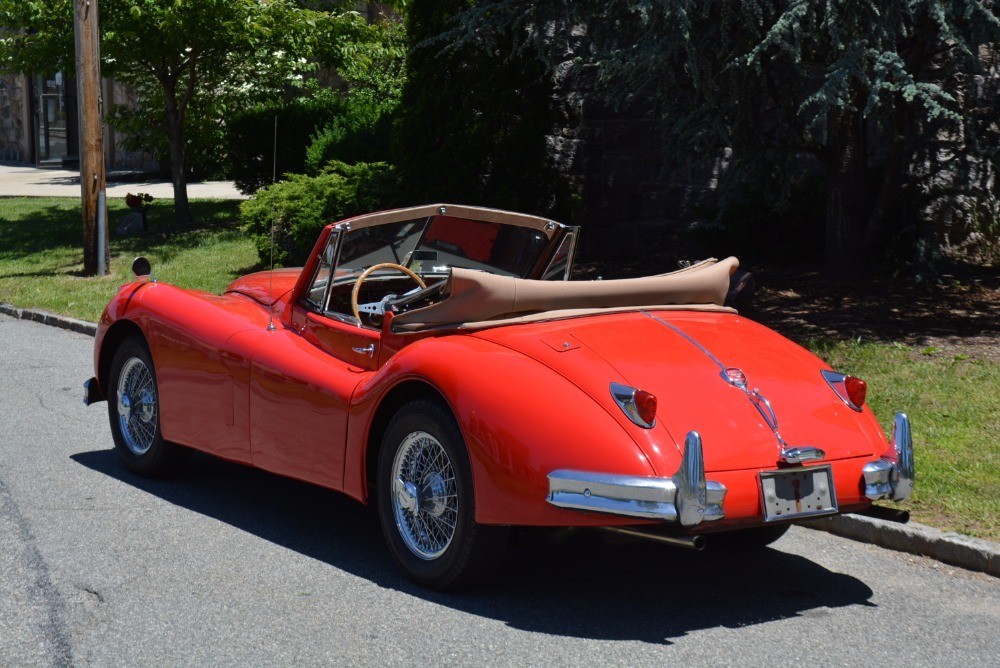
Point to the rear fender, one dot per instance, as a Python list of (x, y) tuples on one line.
[(520, 421)]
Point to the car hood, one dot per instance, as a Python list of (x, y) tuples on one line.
[(679, 357), (266, 287)]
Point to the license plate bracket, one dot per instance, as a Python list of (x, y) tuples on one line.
[(796, 493)]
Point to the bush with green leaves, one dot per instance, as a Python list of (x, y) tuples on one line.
[(359, 134), (301, 206), (258, 150)]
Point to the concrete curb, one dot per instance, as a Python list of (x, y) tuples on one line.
[(973, 554), (51, 319)]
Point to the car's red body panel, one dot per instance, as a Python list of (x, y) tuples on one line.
[(292, 402), (259, 377)]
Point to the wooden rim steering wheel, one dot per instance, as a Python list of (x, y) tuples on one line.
[(375, 267)]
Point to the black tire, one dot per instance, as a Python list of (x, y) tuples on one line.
[(134, 412), (423, 445), (748, 539)]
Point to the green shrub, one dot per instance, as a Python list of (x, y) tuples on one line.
[(359, 134), (250, 137), (301, 206)]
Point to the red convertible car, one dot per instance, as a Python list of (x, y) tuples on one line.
[(437, 361)]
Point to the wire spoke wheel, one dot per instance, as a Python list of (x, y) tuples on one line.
[(424, 495), (137, 406), (134, 412), (426, 501)]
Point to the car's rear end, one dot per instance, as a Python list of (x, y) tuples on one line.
[(740, 427)]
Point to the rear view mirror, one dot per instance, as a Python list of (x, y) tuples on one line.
[(141, 267)]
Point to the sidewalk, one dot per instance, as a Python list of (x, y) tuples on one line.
[(24, 181)]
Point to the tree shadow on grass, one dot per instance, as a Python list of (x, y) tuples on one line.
[(584, 587), (29, 229), (963, 303)]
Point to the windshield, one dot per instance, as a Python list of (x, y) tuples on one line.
[(433, 244)]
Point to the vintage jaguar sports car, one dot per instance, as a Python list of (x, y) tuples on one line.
[(437, 361)]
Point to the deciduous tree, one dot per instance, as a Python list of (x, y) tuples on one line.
[(187, 60)]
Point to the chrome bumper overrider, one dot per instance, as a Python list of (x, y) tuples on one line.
[(891, 476), (687, 497)]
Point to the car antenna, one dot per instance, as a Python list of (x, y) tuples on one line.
[(270, 273)]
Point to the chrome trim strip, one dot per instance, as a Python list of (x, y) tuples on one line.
[(343, 317), (754, 397), (692, 341), (770, 417)]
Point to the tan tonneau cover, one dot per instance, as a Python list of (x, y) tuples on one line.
[(475, 299)]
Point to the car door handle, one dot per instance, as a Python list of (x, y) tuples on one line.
[(365, 350)]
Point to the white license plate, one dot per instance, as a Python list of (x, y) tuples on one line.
[(796, 493)]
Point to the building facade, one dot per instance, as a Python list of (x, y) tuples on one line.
[(39, 122)]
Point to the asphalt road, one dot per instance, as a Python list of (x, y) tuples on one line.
[(229, 566)]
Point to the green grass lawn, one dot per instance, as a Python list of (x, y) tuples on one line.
[(41, 255), (953, 403), (954, 409)]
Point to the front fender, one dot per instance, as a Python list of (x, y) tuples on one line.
[(112, 318), (520, 420)]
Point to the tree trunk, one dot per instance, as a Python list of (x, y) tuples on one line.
[(178, 176), (848, 245)]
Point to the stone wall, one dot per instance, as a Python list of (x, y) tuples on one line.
[(15, 127), (16, 140), (117, 156)]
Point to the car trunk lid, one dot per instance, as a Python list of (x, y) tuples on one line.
[(680, 357)]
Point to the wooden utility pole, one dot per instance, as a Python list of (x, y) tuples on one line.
[(88, 99)]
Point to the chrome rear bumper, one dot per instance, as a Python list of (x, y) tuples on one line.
[(686, 497), (891, 476)]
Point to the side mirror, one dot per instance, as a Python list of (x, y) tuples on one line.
[(141, 267)]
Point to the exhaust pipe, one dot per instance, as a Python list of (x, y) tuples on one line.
[(888, 514), (696, 543)]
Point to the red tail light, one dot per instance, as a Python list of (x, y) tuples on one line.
[(638, 405), (851, 390), (645, 404), (857, 389)]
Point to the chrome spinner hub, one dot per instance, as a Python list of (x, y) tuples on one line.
[(407, 496)]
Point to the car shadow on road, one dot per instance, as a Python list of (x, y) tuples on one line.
[(580, 586)]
